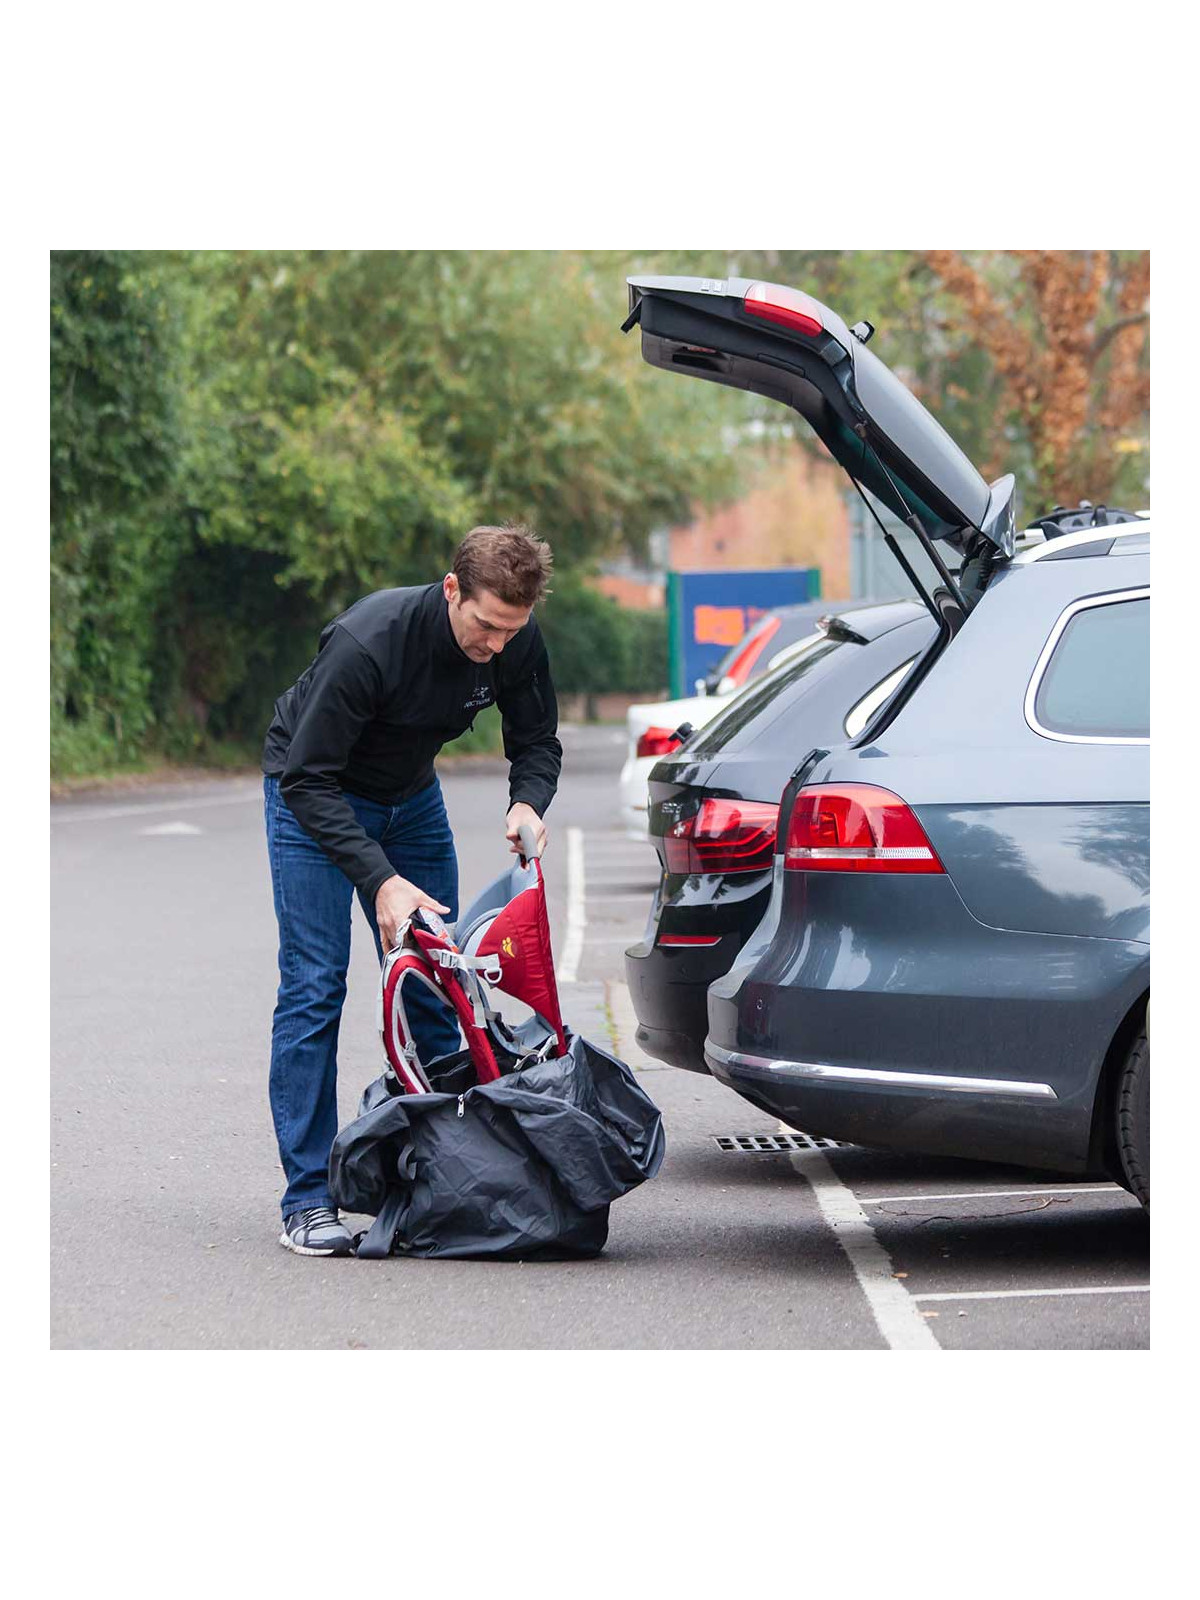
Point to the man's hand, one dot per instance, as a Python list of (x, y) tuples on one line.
[(394, 905), (520, 816)]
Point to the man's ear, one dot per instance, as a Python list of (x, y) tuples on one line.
[(450, 587)]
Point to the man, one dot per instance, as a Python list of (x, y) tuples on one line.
[(352, 802)]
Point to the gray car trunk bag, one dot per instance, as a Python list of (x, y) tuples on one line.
[(522, 1167)]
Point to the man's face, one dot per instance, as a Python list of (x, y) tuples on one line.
[(481, 623)]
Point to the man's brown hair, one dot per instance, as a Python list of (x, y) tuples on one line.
[(510, 562)]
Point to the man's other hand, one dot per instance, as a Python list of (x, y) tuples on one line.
[(394, 905), (523, 816)]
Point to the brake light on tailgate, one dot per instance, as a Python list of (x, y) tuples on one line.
[(723, 836), (788, 307), (856, 827)]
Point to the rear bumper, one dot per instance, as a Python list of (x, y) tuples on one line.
[(926, 1113), (669, 990), (916, 1027), (684, 1050), (668, 984)]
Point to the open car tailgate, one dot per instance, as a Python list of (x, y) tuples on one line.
[(782, 343)]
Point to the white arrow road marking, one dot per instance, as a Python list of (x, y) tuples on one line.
[(164, 828)]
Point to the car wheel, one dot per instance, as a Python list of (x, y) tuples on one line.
[(1133, 1118)]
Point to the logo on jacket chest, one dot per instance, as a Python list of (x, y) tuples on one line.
[(480, 696)]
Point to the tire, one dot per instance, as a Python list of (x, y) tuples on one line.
[(1133, 1118)]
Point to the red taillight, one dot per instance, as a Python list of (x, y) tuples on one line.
[(742, 664), (723, 836), (788, 307), (657, 742), (688, 939), (855, 827)]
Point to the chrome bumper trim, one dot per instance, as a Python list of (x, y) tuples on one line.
[(878, 1076)]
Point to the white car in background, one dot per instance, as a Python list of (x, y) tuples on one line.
[(778, 636)]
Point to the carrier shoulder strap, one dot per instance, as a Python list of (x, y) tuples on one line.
[(377, 1242)]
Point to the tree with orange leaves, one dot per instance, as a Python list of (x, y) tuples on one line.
[(1067, 334)]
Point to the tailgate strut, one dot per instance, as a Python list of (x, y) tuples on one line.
[(915, 523)]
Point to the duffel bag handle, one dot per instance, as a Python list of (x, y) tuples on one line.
[(528, 840)]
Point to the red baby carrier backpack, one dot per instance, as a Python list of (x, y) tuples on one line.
[(501, 943)]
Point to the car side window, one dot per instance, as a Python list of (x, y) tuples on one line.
[(1093, 679)]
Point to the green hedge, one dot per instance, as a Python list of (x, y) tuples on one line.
[(597, 646)]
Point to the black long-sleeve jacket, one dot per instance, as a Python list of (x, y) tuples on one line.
[(387, 689)]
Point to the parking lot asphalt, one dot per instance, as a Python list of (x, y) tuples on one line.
[(159, 1116)]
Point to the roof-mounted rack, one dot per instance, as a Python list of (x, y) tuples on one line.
[(1078, 519), (1122, 539)]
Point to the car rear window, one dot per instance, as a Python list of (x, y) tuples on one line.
[(784, 632), (1096, 684), (728, 731), (858, 716), (723, 665)]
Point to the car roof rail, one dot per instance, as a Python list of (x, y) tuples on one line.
[(1076, 519), (1122, 539)]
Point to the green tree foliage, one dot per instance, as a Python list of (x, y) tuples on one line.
[(326, 423), (114, 445), (351, 414), (245, 443)]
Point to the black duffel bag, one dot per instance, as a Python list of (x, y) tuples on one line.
[(523, 1167)]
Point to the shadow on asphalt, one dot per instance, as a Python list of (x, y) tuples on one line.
[(701, 1159), (1039, 1239)]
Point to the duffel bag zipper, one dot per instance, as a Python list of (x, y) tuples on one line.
[(462, 1104)]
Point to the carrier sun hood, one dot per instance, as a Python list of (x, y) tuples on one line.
[(781, 343)]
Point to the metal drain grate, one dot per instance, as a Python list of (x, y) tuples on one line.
[(771, 1144)]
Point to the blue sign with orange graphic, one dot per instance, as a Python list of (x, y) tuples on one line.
[(710, 612)]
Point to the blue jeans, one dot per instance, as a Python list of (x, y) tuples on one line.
[(312, 906)]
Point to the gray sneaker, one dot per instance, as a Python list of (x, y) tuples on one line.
[(316, 1232)]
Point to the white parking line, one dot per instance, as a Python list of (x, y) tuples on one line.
[(990, 1194), (898, 1319), (107, 812), (1035, 1294), (568, 967)]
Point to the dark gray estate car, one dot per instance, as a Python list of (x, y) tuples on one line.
[(955, 955)]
